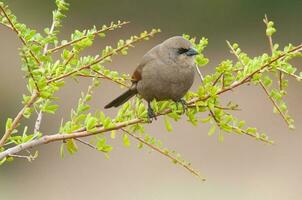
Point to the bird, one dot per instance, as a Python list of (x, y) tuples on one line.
[(166, 72)]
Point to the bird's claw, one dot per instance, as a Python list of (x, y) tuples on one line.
[(184, 105), (151, 114)]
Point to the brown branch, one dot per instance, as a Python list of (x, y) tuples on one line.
[(30, 72), (69, 59), (167, 154), (108, 78), (7, 26), (85, 143), (234, 52), (217, 79), (228, 108), (214, 117), (21, 156), (19, 116), (252, 135), (18, 33), (293, 75), (111, 27), (29, 157), (105, 78), (274, 103)]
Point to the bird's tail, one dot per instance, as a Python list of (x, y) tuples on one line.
[(122, 98)]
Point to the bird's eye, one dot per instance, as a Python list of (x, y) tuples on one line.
[(182, 50)]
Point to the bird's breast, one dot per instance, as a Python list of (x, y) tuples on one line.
[(165, 82)]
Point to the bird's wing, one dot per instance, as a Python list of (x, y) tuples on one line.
[(147, 58)]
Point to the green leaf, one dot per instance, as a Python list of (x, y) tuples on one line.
[(50, 108), (102, 146), (168, 124), (212, 130), (220, 137), (71, 146), (62, 150), (90, 123), (102, 35), (113, 134), (27, 112), (270, 31), (3, 161), (107, 148), (126, 140), (9, 123)]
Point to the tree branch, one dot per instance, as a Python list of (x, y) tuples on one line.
[(104, 77), (83, 133), (270, 40), (261, 68), (16, 30), (85, 143), (19, 116), (274, 103), (111, 27), (102, 58), (167, 154), (293, 75)]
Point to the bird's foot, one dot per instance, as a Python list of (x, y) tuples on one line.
[(184, 105), (151, 114)]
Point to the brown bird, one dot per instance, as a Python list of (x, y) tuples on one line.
[(166, 72)]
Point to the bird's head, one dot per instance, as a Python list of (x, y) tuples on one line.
[(178, 50)]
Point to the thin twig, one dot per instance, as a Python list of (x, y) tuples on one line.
[(161, 151), (199, 73), (222, 81), (7, 26), (270, 40), (275, 103), (109, 78), (29, 158), (30, 73), (40, 114), (235, 54), (217, 79), (111, 27), (18, 33), (15, 122), (293, 75), (99, 59), (228, 108), (104, 77), (38, 122), (85, 143), (261, 83), (69, 59)]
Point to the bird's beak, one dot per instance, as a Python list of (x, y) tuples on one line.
[(191, 52)]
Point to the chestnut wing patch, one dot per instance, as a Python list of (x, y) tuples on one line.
[(137, 75)]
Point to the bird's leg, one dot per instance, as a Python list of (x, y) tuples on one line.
[(183, 105), (151, 113)]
